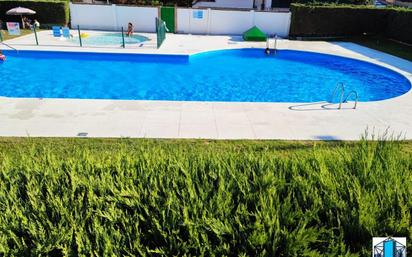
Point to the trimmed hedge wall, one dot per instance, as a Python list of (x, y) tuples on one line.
[(335, 21), (399, 25), (47, 12)]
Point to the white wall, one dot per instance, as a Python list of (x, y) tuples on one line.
[(234, 22), (187, 24), (226, 4), (273, 23), (225, 22), (209, 21), (143, 18), (93, 16), (112, 17)]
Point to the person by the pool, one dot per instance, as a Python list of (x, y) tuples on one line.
[(129, 29), (2, 56), (36, 24), (26, 22)]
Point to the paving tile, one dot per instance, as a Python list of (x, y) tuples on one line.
[(197, 117), (227, 131), (163, 116), (160, 130), (198, 130), (196, 106), (232, 118), (270, 131)]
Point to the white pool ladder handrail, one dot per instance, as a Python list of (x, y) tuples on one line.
[(340, 86), (274, 43), (353, 92)]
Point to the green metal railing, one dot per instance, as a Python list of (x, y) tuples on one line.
[(160, 32), (123, 43), (160, 29), (80, 36), (35, 35)]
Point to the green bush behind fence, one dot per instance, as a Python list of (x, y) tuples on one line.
[(197, 198), (47, 12), (335, 20)]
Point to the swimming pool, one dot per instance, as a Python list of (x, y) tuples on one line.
[(110, 39), (245, 75)]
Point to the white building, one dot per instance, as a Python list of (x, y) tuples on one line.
[(234, 4)]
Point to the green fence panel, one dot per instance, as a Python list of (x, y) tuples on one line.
[(167, 14), (160, 31)]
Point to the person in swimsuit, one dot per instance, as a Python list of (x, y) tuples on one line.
[(2, 56), (129, 29)]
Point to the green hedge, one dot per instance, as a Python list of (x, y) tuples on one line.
[(399, 25), (79, 197), (47, 12), (309, 20)]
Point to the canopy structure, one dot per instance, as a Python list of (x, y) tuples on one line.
[(254, 34), (20, 11)]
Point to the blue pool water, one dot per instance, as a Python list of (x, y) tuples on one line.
[(110, 39), (227, 75)]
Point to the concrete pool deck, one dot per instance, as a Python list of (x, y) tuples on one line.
[(211, 120)]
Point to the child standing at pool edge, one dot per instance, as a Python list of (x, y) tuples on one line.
[(129, 29)]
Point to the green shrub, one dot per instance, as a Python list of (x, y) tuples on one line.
[(336, 20), (399, 25), (343, 21), (47, 12), (200, 198), (333, 2)]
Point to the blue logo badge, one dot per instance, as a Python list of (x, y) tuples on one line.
[(389, 247)]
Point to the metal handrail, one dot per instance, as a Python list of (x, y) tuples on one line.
[(1, 42), (340, 86), (9, 46), (274, 43), (353, 92)]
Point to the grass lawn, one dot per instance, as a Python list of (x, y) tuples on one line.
[(6, 35), (138, 197), (385, 45)]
